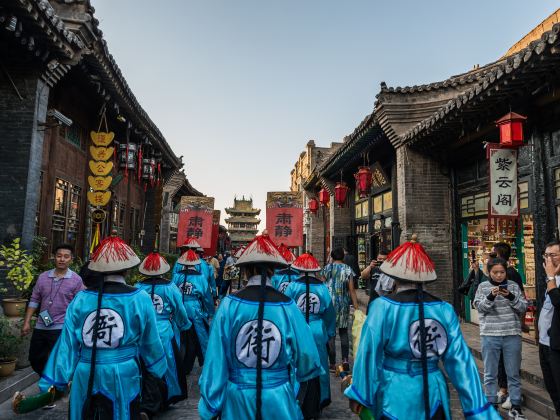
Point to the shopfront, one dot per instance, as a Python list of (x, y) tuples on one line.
[(479, 233)]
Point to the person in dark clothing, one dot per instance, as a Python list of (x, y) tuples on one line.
[(372, 275), (351, 261), (91, 279)]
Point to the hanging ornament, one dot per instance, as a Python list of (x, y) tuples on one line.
[(340, 193), (313, 205), (324, 197), (363, 181)]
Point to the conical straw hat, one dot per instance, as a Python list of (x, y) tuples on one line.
[(154, 265), (261, 250), (410, 262), (189, 258), (306, 263), (113, 255)]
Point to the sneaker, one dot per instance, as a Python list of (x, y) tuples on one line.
[(49, 407), (507, 404), (502, 397), (516, 413)]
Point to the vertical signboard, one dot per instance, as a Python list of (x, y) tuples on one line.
[(195, 219), (502, 163), (284, 218)]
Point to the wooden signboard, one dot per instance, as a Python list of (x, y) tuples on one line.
[(195, 220), (284, 217)]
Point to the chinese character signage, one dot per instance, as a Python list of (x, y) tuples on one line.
[(503, 182), (378, 177), (284, 218), (215, 233), (195, 219), (100, 167)]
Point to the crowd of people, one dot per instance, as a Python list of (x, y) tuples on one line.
[(267, 350)]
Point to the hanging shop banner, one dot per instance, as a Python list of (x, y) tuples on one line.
[(98, 198), (502, 163), (215, 232), (195, 219), (101, 138), (100, 168), (284, 218), (379, 178), (101, 153), (100, 183)]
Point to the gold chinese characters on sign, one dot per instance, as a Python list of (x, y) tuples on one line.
[(100, 167)]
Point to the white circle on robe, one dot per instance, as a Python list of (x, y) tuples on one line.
[(314, 303), (436, 338), (110, 329), (283, 285), (157, 301), (246, 344)]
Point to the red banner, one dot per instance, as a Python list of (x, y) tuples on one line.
[(285, 225), (195, 219), (215, 233)]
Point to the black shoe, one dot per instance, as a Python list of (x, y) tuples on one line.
[(516, 413)]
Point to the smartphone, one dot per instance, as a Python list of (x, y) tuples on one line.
[(503, 286)]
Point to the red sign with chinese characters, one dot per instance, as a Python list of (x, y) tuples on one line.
[(195, 219), (285, 225), (215, 233)]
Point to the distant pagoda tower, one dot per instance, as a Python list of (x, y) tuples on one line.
[(243, 222)]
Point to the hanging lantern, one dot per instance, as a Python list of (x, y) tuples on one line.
[(324, 197), (313, 205), (511, 129), (363, 181), (127, 156), (148, 169), (340, 193)]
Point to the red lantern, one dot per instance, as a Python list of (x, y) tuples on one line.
[(313, 205), (324, 197), (340, 193), (363, 181), (511, 129)]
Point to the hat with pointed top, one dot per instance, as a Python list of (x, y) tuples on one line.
[(261, 250), (189, 258), (286, 253), (191, 243), (154, 265), (113, 255), (410, 262), (239, 252), (306, 263)]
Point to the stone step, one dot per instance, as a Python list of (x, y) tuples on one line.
[(19, 380)]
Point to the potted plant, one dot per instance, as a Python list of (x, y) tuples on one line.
[(9, 347), (19, 272)]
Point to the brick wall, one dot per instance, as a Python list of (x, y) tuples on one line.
[(424, 208), (20, 148)]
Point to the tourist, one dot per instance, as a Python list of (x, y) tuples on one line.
[(499, 302), (105, 331), (405, 338), (339, 279), (51, 296), (549, 325), (258, 338)]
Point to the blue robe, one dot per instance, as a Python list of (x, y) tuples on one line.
[(283, 277), (228, 380), (171, 315), (322, 321), (387, 375), (198, 302), (127, 331), (208, 271)]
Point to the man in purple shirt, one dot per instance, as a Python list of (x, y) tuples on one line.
[(52, 294)]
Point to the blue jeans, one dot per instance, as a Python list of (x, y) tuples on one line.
[(510, 345)]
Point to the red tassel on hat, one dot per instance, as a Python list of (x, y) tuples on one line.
[(306, 262), (286, 253), (417, 259), (152, 262), (264, 245), (113, 248)]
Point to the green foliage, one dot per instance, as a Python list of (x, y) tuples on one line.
[(9, 341), (19, 265), (170, 258), (134, 276)]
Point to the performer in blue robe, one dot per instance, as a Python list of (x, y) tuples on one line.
[(106, 331), (283, 277), (170, 315), (207, 271), (258, 337), (197, 300), (404, 338), (314, 301)]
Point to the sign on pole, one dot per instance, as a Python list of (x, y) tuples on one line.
[(284, 218), (195, 219), (215, 231), (502, 163)]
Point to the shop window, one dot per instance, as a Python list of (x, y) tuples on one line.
[(388, 201), (475, 205), (523, 195), (73, 134), (557, 183), (382, 202), (365, 208), (66, 213), (358, 210), (378, 204)]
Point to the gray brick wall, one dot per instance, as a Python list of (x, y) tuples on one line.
[(424, 208), (20, 145)]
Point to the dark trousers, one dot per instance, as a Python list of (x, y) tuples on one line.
[(502, 376), (550, 366), (42, 343), (224, 287), (344, 346)]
